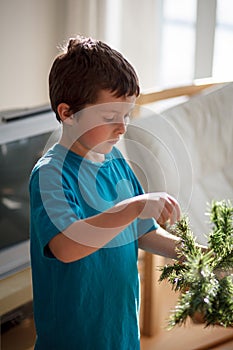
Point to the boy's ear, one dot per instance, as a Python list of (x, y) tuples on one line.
[(66, 116)]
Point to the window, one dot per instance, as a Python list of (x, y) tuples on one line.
[(223, 52), (196, 41)]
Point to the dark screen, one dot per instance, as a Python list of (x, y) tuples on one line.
[(16, 162)]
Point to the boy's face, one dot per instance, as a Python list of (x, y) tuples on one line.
[(99, 126)]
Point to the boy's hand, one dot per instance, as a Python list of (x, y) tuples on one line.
[(160, 206)]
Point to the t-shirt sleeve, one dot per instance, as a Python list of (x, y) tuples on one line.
[(51, 205)]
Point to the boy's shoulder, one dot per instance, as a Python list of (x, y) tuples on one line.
[(48, 157), (50, 160)]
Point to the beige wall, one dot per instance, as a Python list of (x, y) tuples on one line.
[(29, 32)]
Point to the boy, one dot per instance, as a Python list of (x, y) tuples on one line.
[(89, 214)]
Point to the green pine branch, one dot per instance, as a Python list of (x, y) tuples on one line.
[(204, 279)]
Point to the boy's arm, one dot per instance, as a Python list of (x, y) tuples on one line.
[(84, 237), (162, 242), (159, 242)]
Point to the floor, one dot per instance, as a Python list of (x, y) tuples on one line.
[(162, 344), (21, 337)]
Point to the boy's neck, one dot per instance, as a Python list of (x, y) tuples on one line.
[(78, 148)]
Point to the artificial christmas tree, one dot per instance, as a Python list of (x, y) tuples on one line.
[(204, 278)]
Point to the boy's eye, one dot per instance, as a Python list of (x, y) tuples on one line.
[(109, 119)]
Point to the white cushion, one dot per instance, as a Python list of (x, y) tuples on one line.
[(187, 151)]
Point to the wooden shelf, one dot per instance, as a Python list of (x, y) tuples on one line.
[(15, 290)]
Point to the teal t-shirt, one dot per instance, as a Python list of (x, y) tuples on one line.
[(92, 303)]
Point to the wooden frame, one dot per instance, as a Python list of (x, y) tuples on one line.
[(151, 96)]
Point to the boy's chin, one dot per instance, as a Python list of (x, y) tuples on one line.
[(106, 148)]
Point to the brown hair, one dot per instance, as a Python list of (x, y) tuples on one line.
[(86, 67)]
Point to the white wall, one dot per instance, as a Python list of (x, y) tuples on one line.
[(29, 33)]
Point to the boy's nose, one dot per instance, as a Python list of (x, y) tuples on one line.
[(121, 127)]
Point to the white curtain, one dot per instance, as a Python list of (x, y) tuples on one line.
[(85, 17), (130, 26)]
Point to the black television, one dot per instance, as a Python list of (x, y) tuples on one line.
[(24, 136)]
